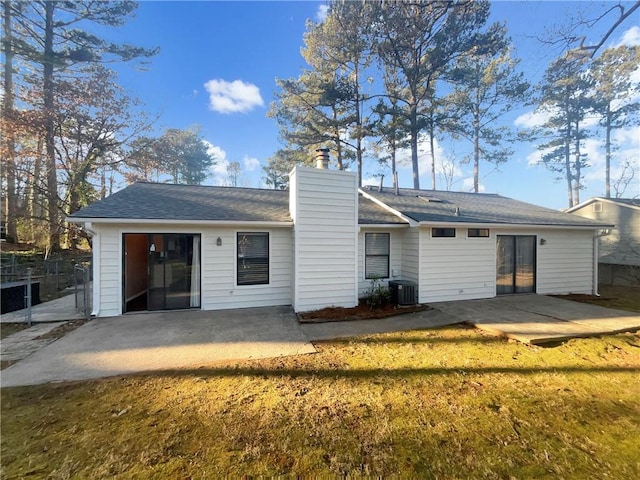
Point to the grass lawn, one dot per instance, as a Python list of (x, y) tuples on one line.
[(445, 403)]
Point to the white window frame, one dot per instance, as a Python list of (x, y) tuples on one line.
[(366, 275), (269, 269)]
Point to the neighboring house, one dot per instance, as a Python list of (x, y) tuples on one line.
[(319, 244), (619, 248)]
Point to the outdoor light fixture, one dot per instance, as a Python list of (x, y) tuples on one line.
[(543, 241), (219, 242)]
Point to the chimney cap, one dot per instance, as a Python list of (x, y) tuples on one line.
[(322, 158)]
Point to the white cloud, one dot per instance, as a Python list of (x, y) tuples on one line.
[(370, 181), (467, 185), (219, 170), (233, 97), (631, 37), (534, 118), (624, 135), (321, 13), (250, 163)]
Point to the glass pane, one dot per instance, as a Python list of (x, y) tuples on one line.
[(376, 244), (179, 252), (525, 264), (377, 266), (505, 267), (157, 281), (253, 258), (443, 232)]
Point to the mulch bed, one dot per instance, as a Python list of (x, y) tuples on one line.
[(361, 312)]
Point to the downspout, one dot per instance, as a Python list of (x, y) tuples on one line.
[(595, 265), (95, 266), (596, 236)]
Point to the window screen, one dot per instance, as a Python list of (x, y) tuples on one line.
[(376, 255), (253, 258)]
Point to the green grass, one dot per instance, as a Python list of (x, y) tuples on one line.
[(447, 403)]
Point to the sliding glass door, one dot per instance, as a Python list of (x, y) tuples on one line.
[(516, 264), (172, 277)]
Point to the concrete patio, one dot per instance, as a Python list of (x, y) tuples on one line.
[(539, 319), (157, 341)]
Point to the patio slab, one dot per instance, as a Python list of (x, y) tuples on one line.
[(539, 319), (23, 343), (58, 310)]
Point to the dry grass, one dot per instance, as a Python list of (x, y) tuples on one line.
[(448, 403)]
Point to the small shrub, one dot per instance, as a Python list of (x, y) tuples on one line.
[(378, 295)]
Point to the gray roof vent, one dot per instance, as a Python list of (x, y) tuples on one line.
[(430, 199)]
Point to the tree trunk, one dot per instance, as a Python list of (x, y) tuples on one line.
[(52, 178), (413, 119), (9, 139), (476, 151), (607, 148), (567, 163), (358, 125), (432, 149), (578, 168)]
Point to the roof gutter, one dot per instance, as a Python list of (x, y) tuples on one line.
[(511, 225), (409, 220), (150, 221)]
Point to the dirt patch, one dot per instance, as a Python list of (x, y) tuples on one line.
[(361, 312), (7, 329), (62, 330), (611, 296)]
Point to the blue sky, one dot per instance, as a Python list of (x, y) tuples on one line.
[(218, 63)]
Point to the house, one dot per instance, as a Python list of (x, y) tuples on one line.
[(319, 244), (619, 248)]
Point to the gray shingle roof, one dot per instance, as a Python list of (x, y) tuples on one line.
[(159, 201), (438, 206), (370, 213)]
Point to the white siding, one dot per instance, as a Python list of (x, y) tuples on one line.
[(622, 245), (395, 257), (565, 261), (457, 268), (323, 205), (411, 255), (464, 268), (219, 289), (109, 295)]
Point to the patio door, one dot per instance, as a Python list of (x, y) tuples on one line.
[(161, 271), (516, 264)]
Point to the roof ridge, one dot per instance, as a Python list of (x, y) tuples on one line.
[(229, 187)]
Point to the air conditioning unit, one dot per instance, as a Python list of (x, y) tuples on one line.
[(403, 292)]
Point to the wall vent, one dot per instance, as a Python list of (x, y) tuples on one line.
[(597, 207)]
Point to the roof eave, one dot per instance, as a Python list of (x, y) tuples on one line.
[(156, 221), (511, 225), (599, 199)]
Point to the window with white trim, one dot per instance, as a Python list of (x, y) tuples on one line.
[(477, 232), (252, 258), (376, 255), (443, 232)]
